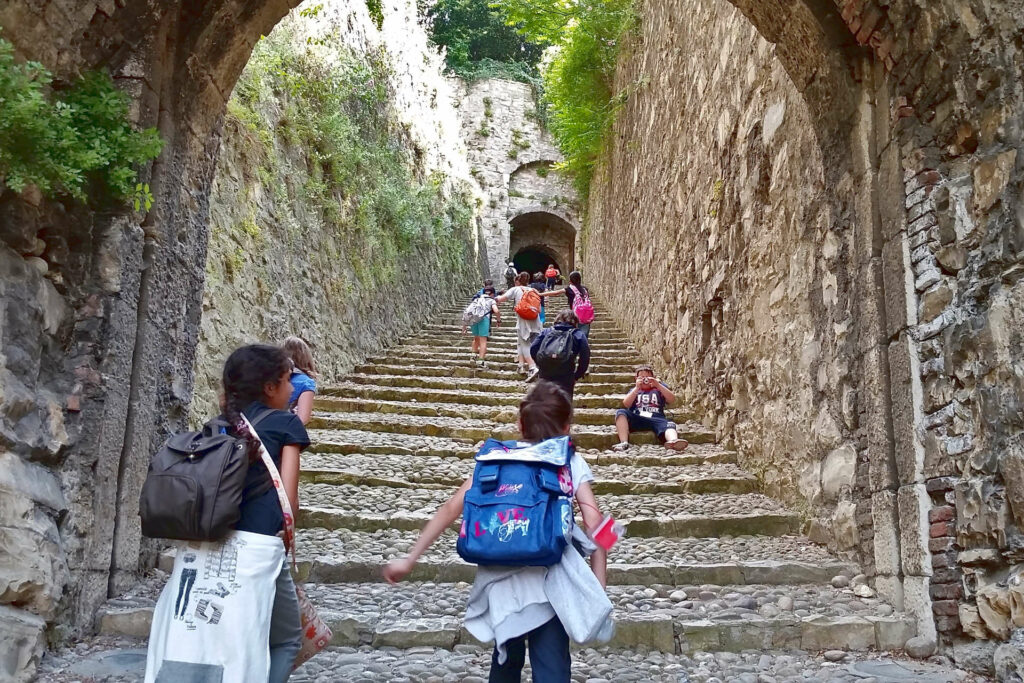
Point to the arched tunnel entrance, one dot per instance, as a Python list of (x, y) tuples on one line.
[(539, 238), (534, 259)]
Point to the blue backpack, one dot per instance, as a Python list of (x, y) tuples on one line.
[(518, 512)]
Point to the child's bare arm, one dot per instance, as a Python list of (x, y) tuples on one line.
[(591, 519), (396, 570)]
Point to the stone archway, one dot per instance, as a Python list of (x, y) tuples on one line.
[(536, 235)]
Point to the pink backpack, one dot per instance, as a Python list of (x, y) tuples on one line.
[(582, 307)]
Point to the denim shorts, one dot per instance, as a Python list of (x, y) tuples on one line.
[(655, 423)]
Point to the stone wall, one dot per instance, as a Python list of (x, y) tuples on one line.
[(278, 264), (832, 230), (723, 224), (507, 144)]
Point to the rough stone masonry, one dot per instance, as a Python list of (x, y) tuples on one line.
[(902, 285), (827, 213)]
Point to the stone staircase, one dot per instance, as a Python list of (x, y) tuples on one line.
[(708, 564)]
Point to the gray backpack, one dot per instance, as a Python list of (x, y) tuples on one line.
[(193, 490)]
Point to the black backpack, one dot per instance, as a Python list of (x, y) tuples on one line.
[(193, 490), (556, 351)]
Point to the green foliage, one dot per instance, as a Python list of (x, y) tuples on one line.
[(376, 10), (478, 37), (543, 171), (358, 176), (75, 141), (579, 81)]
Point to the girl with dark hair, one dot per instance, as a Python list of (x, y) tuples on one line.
[(574, 290), (545, 413), (566, 371), (257, 385)]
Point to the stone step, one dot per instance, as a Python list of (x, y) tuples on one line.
[(495, 361), (504, 371), (372, 443), (474, 384), (507, 343), (480, 398), (663, 618), (368, 508), (343, 555), (123, 659), (325, 405), (584, 436), (401, 471), (443, 354)]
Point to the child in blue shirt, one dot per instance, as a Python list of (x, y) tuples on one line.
[(644, 410), (303, 378)]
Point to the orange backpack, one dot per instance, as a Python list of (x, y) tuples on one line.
[(528, 307), (551, 272)]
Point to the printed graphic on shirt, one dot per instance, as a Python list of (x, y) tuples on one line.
[(649, 402)]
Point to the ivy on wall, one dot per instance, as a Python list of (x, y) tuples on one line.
[(73, 141), (579, 79), (333, 105)]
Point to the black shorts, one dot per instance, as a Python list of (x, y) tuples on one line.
[(655, 423)]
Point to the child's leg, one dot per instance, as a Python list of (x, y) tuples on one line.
[(483, 347), (622, 425), (549, 653), (512, 670), (670, 437)]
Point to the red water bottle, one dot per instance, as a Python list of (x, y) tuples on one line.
[(608, 532)]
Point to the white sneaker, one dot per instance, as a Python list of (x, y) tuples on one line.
[(534, 372), (621, 446)]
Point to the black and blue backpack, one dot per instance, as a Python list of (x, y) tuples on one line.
[(518, 512)]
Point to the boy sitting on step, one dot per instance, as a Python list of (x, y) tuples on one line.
[(644, 410)]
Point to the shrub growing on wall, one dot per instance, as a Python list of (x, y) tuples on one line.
[(74, 141)]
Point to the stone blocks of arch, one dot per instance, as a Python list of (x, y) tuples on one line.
[(511, 156)]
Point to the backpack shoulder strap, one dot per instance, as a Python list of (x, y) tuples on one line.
[(262, 416)]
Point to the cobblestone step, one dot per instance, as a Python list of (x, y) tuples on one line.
[(636, 455), (325, 405), (504, 362), (507, 332), (617, 356), (583, 436), (468, 368), (401, 471), (344, 555), (121, 659), (669, 619), (507, 344), (481, 398), (474, 384), (368, 508)]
